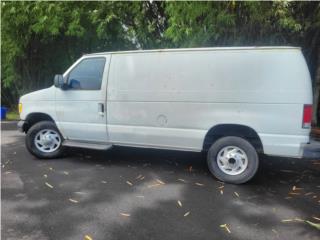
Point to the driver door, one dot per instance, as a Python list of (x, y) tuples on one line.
[(81, 106)]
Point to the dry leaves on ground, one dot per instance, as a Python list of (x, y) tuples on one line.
[(87, 237), (186, 214), (225, 226), (125, 214), (49, 185), (199, 184)]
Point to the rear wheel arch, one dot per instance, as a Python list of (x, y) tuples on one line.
[(34, 118), (236, 130)]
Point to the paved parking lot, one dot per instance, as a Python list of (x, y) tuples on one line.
[(127, 193)]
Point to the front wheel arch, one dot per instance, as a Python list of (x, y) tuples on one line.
[(34, 118)]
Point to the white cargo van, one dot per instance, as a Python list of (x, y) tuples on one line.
[(233, 103)]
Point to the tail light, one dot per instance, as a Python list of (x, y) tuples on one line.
[(307, 116)]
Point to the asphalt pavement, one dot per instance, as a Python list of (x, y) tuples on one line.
[(128, 193)]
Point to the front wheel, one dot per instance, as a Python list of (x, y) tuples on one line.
[(44, 140), (233, 160)]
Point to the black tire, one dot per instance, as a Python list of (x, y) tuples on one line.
[(30, 137), (244, 145)]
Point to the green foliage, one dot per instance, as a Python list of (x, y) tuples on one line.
[(12, 115), (238, 23), (39, 39)]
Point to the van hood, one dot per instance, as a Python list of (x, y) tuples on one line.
[(46, 94)]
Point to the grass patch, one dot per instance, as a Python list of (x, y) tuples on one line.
[(12, 116)]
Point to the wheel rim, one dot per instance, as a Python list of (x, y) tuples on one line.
[(232, 160), (47, 140)]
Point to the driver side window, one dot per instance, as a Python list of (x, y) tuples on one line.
[(87, 75)]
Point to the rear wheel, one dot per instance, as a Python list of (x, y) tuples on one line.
[(233, 160), (44, 140)]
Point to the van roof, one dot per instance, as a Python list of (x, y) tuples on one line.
[(199, 49)]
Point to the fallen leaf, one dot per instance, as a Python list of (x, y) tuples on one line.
[(87, 237), (221, 192), (294, 193), (308, 193), (235, 193), (316, 225), (103, 182), (179, 203), (129, 183), (287, 220), (65, 172), (199, 184), (49, 185), (159, 181), (45, 175), (186, 214), (225, 226), (50, 168), (79, 192), (139, 176), (181, 180), (154, 185), (294, 188), (125, 214), (72, 200)]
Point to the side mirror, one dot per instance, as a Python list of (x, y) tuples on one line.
[(59, 81)]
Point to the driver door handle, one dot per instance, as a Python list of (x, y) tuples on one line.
[(101, 109)]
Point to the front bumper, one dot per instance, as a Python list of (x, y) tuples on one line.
[(22, 125), (311, 150)]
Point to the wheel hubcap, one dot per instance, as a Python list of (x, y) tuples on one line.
[(232, 160), (47, 140)]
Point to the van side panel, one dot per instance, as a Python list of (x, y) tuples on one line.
[(172, 99)]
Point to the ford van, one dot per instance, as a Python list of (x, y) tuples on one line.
[(232, 103)]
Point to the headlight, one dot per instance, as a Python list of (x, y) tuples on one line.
[(20, 107)]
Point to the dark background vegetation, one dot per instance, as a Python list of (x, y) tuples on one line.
[(40, 39)]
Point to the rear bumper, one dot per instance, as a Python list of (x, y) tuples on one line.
[(311, 150), (22, 125)]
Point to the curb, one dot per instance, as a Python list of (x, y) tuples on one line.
[(9, 125)]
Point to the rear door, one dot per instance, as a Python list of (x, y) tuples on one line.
[(80, 108)]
